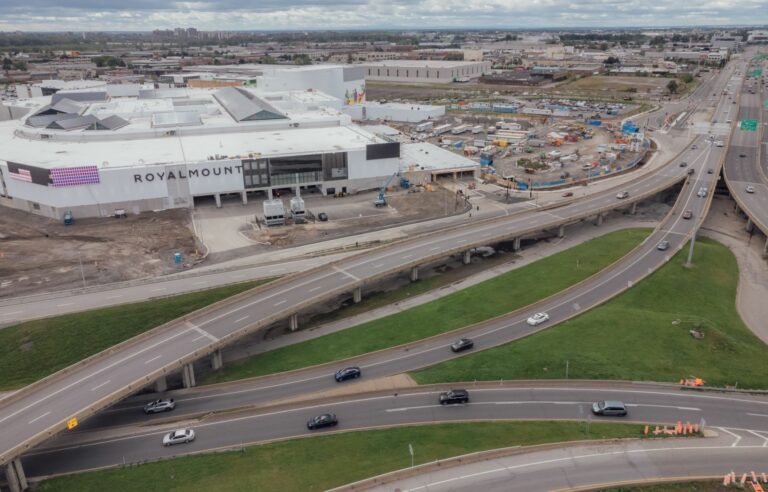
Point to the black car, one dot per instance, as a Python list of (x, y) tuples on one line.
[(324, 420), (683, 164), (454, 396), (710, 171), (691, 171), (347, 373), (322, 216), (462, 344)]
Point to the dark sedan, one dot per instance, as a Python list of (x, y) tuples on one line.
[(324, 420), (454, 396), (462, 344), (347, 373)]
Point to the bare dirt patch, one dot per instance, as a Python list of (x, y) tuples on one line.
[(39, 254)]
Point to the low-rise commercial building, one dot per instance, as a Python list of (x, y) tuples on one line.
[(425, 71)]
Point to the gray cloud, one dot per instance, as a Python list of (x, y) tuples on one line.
[(69, 15)]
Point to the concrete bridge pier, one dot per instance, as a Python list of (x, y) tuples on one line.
[(217, 361), (765, 249), (217, 196), (357, 295), (750, 225), (467, 257), (414, 274), (561, 231), (188, 376), (516, 244), (599, 219), (633, 209), (161, 385), (244, 196), (293, 322), (14, 475)]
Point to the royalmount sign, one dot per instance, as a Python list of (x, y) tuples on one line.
[(187, 174)]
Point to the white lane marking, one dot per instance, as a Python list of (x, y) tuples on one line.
[(281, 302), (569, 459), (118, 296), (420, 407), (202, 332), (738, 437), (344, 272), (203, 282), (242, 319), (461, 241), (160, 289), (153, 358), (199, 338), (65, 304), (277, 270), (11, 313), (692, 409), (38, 418), (435, 248), (765, 439), (316, 288), (405, 257), (100, 385), (758, 414)]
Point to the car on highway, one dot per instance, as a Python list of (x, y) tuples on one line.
[(158, 406), (567, 194), (702, 192), (538, 319), (694, 147), (324, 420), (347, 373), (462, 344), (719, 143), (691, 171), (710, 171), (454, 396), (749, 189), (688, 214), (622, 194), (179, 436), (683, 164), (609, 408), (663, 245)]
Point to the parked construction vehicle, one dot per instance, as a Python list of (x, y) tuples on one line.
[(381, 200)]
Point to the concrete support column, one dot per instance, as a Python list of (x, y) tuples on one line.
[(217, 196), (633, 209), (217, 361), (561, 231), (14, 474), (293, 322), (750, 225), (516, 244), (244, 196), (414, 274), (188, 375), (161, 385), (736, 207), (599, 219), (765, 248), (467, 257), (357, 295)]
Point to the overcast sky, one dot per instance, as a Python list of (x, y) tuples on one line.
[(145, 15)]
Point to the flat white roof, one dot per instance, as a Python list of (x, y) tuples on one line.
[(181, 148), (426, 156), (422, 63)]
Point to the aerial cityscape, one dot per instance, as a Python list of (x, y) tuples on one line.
[(354, 246)]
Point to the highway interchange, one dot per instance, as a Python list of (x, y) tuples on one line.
[(29, 416)]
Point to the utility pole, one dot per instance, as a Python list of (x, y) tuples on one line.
[(690, 250)]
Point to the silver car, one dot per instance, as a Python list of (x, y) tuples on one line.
[(158, 406), (179, 436)]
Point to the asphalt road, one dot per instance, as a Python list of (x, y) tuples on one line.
[(570, 402), (597, 465), (746, 161), (32, 415)]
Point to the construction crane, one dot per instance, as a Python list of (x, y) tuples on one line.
[(381, 200)]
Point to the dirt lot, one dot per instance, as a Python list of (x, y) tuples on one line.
[(403, 208), (618, 84), (39, 254)]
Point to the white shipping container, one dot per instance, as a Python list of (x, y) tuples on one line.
[(477, 129), (422, 127), (460, 129), (439, 130)]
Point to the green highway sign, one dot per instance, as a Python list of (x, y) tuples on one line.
[(748, 125)]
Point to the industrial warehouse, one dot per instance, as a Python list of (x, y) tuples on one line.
[(117, 150)]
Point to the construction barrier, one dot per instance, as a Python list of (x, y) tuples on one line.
[(679, 429)]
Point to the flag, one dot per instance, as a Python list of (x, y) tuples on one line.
[(21, 174)]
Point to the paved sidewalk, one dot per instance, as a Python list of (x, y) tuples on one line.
[(725, 226), (575, 235)]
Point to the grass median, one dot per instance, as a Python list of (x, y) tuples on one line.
[(323, 462), (34, 349), (643, 334), (488, 299)]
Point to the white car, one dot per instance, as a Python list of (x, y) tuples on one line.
[(622, 194), (179, 436), (750, 189), (538, 319), (702, 192)]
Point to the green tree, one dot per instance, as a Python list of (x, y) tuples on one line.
[(672, 86), (20, 65), (687, 78), (7, 64), (268, 60)]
